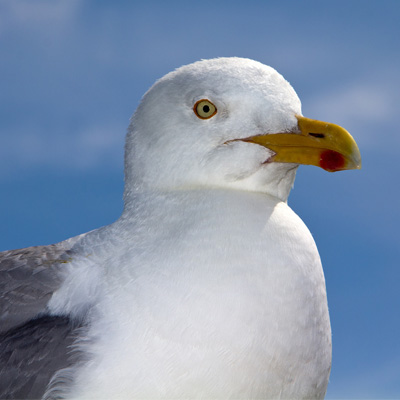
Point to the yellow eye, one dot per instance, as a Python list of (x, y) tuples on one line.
[(204, 109)]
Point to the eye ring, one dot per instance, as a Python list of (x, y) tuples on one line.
[(204, 109)]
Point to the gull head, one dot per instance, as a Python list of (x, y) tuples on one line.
[(227, 123)]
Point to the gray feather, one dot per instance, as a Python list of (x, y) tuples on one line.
[(32, 353), (28, 278), (33, 345)]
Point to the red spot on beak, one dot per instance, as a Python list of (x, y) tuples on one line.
[(331, 161)]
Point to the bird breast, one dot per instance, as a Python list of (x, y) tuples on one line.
[(221, 295)]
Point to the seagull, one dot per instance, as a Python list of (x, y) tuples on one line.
[(208, 286)]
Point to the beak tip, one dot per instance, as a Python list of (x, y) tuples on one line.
[(357, 164)]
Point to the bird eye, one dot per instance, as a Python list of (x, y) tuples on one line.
[(204, 109)]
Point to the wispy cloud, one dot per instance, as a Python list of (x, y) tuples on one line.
[(38, 15), (88, 148), (374, 381), (367, 108)]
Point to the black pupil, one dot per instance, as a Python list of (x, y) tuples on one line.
[(206, 109)]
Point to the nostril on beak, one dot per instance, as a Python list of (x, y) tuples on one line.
[(317, 135)]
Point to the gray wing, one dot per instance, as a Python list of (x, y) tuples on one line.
[(32, 353), (33, 345)]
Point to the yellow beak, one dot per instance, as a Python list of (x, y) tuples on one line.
[(325, 145)]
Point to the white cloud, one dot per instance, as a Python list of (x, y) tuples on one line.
[(89, 148), (376, 381), (366, 101), (39, 14), (366, 108)]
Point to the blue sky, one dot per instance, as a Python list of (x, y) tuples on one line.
[(73, 71)]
